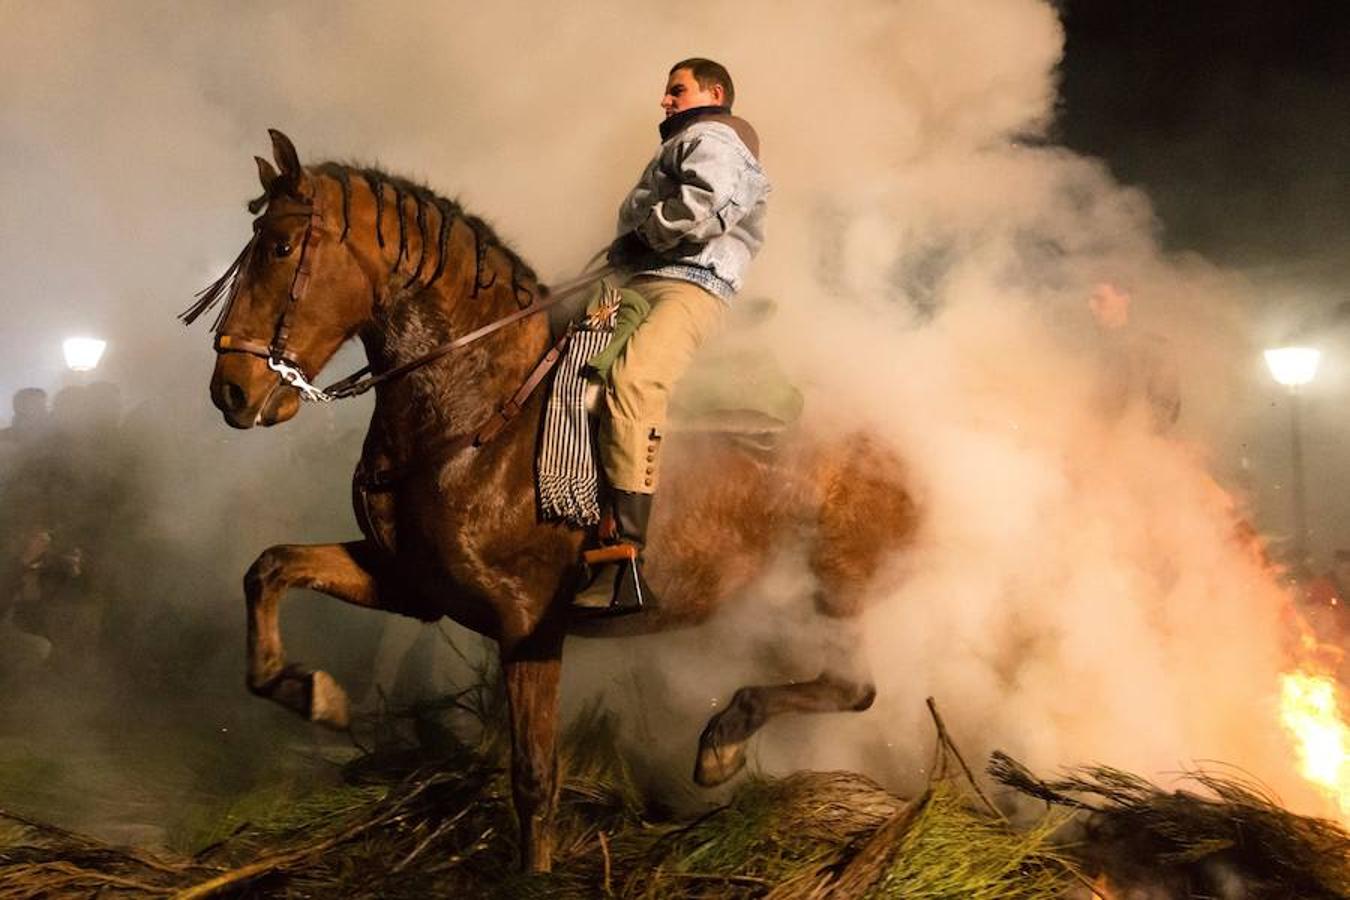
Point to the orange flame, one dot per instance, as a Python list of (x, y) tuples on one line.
[(1310, 712)]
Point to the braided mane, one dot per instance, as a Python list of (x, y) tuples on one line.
[(381, 185)]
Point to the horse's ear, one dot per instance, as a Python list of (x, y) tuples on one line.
[(283, 151), (266, 174)]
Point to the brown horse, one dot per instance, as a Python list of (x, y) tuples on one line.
[(451, 527)]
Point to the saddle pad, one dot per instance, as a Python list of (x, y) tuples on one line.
[(735, 387)]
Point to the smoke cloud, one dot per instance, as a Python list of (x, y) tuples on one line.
[(1076, 592)]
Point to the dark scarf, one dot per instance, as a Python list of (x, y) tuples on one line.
[(673, 125), (682, 120)]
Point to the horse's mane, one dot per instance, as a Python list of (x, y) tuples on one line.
[(381, 183), (378, 180)]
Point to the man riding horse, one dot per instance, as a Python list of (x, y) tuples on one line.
[(687, 232), (449, 514)]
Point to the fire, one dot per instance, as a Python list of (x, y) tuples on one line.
[(1101, 889), (1310, 711)]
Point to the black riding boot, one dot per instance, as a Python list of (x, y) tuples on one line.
[(614, 584)]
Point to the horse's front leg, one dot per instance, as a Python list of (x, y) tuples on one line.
[(532, 668), (343, 571)]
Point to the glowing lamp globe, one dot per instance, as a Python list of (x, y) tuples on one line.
[(1293, 366), (83, 354)]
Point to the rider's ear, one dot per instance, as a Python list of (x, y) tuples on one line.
[(283, 151)]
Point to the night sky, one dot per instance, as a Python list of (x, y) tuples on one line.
[(1235, 117)]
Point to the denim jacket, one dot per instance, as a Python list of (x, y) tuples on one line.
[(699, 207)]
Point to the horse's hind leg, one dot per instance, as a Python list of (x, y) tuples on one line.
[(339, 570), (844, 685), (865, 517)]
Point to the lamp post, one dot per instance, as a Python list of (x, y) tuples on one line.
[(1293, 367), (83, 353)]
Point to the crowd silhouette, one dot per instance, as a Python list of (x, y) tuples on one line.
[(71, 513), (124, 536)]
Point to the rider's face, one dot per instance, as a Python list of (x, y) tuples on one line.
[(684, 92)]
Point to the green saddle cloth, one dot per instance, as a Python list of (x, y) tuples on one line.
[(735, 383)]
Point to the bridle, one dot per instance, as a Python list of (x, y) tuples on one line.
[(286, 364), (279, 357)]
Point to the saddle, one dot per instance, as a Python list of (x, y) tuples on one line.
[(734, 387)]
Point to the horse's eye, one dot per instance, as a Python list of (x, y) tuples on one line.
[(283, 248)]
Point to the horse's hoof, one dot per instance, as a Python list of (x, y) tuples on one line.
[(719, 763), (328, 703)]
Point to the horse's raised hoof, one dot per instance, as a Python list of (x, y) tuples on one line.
[(721, 747), (718, 763), (328, 702)]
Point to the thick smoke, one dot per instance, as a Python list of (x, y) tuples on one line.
[(1076, 593)]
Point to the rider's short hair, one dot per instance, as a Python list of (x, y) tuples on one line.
[(707, 73)]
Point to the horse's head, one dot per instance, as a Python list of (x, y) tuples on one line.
[(293, 297)]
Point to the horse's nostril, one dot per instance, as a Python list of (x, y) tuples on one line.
[(235, 398)]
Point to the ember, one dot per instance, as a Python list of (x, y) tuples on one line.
[(1310, 711)]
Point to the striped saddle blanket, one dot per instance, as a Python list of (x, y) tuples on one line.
[(568, 470)]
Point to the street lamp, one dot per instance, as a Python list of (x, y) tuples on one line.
[(1294, 367), (83, 353)]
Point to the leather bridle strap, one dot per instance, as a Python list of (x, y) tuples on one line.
[(361, 380), (229, 343), (304, 270), (276, 350)]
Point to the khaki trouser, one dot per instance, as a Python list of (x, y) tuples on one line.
[(683, 316)]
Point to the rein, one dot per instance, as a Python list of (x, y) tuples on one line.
[(363, 380)]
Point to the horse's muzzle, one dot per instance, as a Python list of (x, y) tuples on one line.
[(282, 403), (232, 401), (249, 394)]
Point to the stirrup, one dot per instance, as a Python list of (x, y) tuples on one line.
[(626, 588)]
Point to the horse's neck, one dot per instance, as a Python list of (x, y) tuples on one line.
[(461, 280), (435, 409)]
